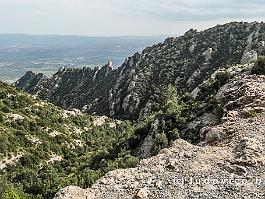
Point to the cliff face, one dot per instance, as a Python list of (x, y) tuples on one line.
[(72, 88), (30, 81), (227, 163), (134, 89)]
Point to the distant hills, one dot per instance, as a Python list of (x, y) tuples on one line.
[(47, 53)]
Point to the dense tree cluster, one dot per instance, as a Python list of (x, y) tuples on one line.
[(53, 150)]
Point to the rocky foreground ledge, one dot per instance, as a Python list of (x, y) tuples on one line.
[(229, 163)]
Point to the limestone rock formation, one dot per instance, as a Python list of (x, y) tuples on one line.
[(30, 81), (249, 57), (227, 163), (133, 90)]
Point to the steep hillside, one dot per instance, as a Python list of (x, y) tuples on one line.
[(200, 94), (73, 88), (228, 162), (133, 90), (44, 148)]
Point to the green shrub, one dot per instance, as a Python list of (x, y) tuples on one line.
[(1, 117), (10, 194), (250, 114), (259, 66), (5, 109), (160, 142), (8, 191), (3, 94), (222, 78), (172, 103), (173, 135)]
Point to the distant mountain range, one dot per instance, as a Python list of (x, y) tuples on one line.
[(47, 53)]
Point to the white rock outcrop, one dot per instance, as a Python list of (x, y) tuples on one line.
[(249, 57), (208, 54)]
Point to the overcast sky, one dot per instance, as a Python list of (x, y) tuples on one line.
[(123, 17)]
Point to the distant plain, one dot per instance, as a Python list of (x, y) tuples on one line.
[(47, 53)]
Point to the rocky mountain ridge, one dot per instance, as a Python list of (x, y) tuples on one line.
[(133, 90), (227, 163), (201, 94)]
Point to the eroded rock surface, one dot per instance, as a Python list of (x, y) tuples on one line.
[(227, 163), (133, 90)]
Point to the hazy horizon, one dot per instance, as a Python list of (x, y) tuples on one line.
[(80, 35), (127, 35), (20, 53), (106, 18)]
